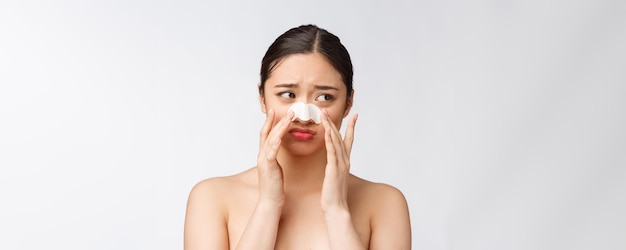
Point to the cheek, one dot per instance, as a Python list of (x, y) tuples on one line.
[(280, 111), (336, 117), (338, 122)]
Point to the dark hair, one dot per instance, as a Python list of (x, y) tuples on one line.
[(304, 40)]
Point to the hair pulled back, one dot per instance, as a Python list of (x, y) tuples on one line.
[(307, 39)]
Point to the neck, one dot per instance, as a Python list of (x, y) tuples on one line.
[(302, 173)]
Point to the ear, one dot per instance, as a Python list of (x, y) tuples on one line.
[(261, 99), (348, 104)]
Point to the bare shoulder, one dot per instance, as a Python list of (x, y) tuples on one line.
[(387, 210), (374, 192), (217, 185), (206, 217), (218, 193)]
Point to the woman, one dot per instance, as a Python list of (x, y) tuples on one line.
[(301, 194)]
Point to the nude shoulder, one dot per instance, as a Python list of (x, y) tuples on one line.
[(386, 208), (208, 206), (359, 185), (376, 195), (221, 183)]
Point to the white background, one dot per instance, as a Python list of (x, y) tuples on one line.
[(501, 121)]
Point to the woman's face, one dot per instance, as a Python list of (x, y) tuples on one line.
[(307, 78)]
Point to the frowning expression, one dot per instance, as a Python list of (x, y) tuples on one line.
[(307, 78)]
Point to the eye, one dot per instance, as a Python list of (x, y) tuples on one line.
[(287, 95), (324, 97)]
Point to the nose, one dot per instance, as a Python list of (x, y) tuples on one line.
[(306, 112), (304, 96), (304, 116), (298, 120)]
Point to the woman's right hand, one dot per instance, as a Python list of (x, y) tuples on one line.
[(271, 189)]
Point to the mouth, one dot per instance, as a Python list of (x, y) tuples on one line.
[(302, 134)]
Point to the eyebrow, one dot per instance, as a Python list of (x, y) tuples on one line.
[(293, 85), (286, 85), (325, 87)]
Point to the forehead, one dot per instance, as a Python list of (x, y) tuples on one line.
[(305, 69)]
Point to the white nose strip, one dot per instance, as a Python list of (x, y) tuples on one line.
[(305, 112)]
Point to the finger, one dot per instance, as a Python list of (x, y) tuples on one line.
[(335, 137), (348, 140), (334, 129), (267, 127), (331, 155), (273, 151), (279, 130), (329, 122)]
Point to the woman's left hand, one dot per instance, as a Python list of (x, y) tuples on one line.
[(335, 186)]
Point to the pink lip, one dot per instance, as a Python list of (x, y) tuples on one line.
[(302, 130), (302, 134)]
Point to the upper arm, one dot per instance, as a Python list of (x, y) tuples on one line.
[(205, 219), (391, 226)]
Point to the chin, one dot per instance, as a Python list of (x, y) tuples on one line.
[(297, 148)]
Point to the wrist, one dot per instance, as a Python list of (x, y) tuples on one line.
[(341, 207), (270, 205), (336, 213), (342, 232)]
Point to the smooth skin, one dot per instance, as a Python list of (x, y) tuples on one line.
[(301, 194)]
